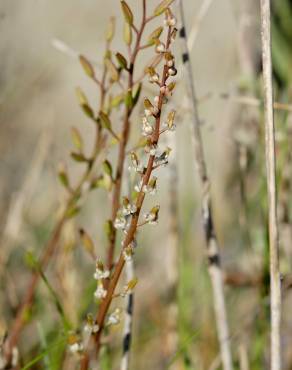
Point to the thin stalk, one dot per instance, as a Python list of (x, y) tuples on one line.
[(124, 140), (275, 288), (128, 325), (119, 266), (52, 244), (213, 253)]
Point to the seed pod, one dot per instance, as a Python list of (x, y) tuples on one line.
[(82, 99), (78, 157), (114, 73), (110, 32), (147, 104), (155, 35), (86, 241), (63, 176), (88, 69), (162, 7), (127, 34), (107, 167), (129, 18), (105, 121), (121, 60), (76, 138)]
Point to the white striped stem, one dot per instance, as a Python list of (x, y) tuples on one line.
[(212, 245), (127, 336)]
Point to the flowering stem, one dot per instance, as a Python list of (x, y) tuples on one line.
[(105, 304), (124, 141)]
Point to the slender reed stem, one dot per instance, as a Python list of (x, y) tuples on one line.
[(271, 186), (212, 246)]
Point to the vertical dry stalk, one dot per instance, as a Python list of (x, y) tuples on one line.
[(271, 185), (128, 325), (172, 263), (212, 246), (127, 335)]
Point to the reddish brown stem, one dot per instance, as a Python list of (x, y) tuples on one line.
[(104, 307), (123, 143)]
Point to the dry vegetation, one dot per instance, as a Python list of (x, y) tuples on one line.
[(147, 224)]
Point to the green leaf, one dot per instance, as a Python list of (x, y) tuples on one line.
[(107, 167), (127, 34), (121, 60), (116, 100), (88, 111), (137, 94), (78, 157), (129, 18), (110, 32), (114, 73), (129, 99), (155, 35), (162, 7), (31, 260), (87, 241), (82, 99), (109, 229), (105, 121), (63, 176), (76, 138), (87, 67)]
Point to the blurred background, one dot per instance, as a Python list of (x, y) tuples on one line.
[(40, 41)]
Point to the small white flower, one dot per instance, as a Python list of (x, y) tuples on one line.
[(129, 209), (154, 78), (100, 272), (147, 128), (100, 291), (114, 317), (160, 48), (148, 112), (151, 188), (152, 216), (76, 347), (120, 222), (91, 328)]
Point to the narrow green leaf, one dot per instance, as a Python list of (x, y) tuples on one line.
[(129, 18), (107, 167), (121, 60), (110, 32), (137, 94), (155, 35), (114, 73), (105, 121), (127, 34), (162, 7), (76, 138), (88, 69), (78, 157)]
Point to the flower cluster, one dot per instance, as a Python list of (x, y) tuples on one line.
[(114, 318), (75, 343), (91, 326), (152, 216), (100, 274)]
